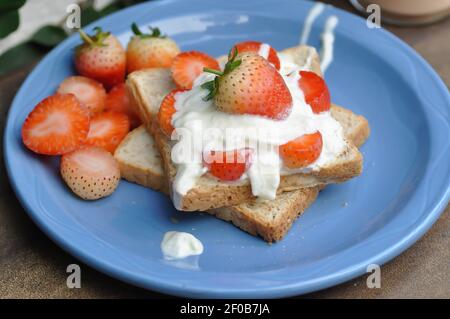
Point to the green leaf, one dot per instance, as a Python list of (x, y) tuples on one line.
[(9, 22), (110, 8), (49, 36), (89, 15), (19, 56), (11, 4)]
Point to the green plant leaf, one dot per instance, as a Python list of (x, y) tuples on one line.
[(11, 4), (89, 15), (110, 8), (49, 36), (19, 56), (9, 22)]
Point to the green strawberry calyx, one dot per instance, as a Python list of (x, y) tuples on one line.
[(155, 32), (213, 85), (97, 39)]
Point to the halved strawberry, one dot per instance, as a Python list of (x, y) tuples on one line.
[(118, 100), (302, 151), (187, 66), (228, 166), (166, 111), (89, 92), (107, 130), (57, 125), (315, 91), (255, 46), (90, 172)]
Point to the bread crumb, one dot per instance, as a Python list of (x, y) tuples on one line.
[(174, 220)]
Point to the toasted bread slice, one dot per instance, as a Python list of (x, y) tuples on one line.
[(139, 160), (140, 163), (147, 89)]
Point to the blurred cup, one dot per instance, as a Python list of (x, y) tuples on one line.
[(408, 12)]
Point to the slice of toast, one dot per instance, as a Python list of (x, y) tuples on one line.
[(147, 89), (139, 160), (140, 163)]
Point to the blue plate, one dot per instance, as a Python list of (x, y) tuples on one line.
[(402, 191)]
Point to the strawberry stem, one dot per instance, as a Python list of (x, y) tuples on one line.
[(85, 37), (213, 71), (155, 32), (213, 86), (135, 29)]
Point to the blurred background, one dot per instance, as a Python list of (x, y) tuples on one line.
[(31, 28)]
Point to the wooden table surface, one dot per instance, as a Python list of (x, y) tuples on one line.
[(32, 266)]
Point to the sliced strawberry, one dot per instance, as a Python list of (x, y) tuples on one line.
[(302, 151), (89, 92), (108, 129), (255, 46), (90, 172), (228, 166), (118, 100), (57, 125), (166, 111), (187, 66), (315, 91)]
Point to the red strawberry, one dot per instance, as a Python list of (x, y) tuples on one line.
[(250, 85), (107, 130), (166, 111), (89, 92), (101, 57), (119, 101), (150, 50), (315, 91), (302, 151), (57, 125), (187, 66), (228, 166), (90, 172), (255, 46)]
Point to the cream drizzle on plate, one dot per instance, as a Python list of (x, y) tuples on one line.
[(316, 10), (327, 36)]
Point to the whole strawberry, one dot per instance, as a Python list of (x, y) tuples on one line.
[(249, 85), (150, 50), (101, 57)]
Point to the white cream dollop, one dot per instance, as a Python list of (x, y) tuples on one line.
[(201, 127), (177, 245)]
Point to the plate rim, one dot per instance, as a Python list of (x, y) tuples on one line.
[(163, 286)]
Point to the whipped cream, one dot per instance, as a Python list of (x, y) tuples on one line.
[(200, 127), (264, 50), (177, 245)]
